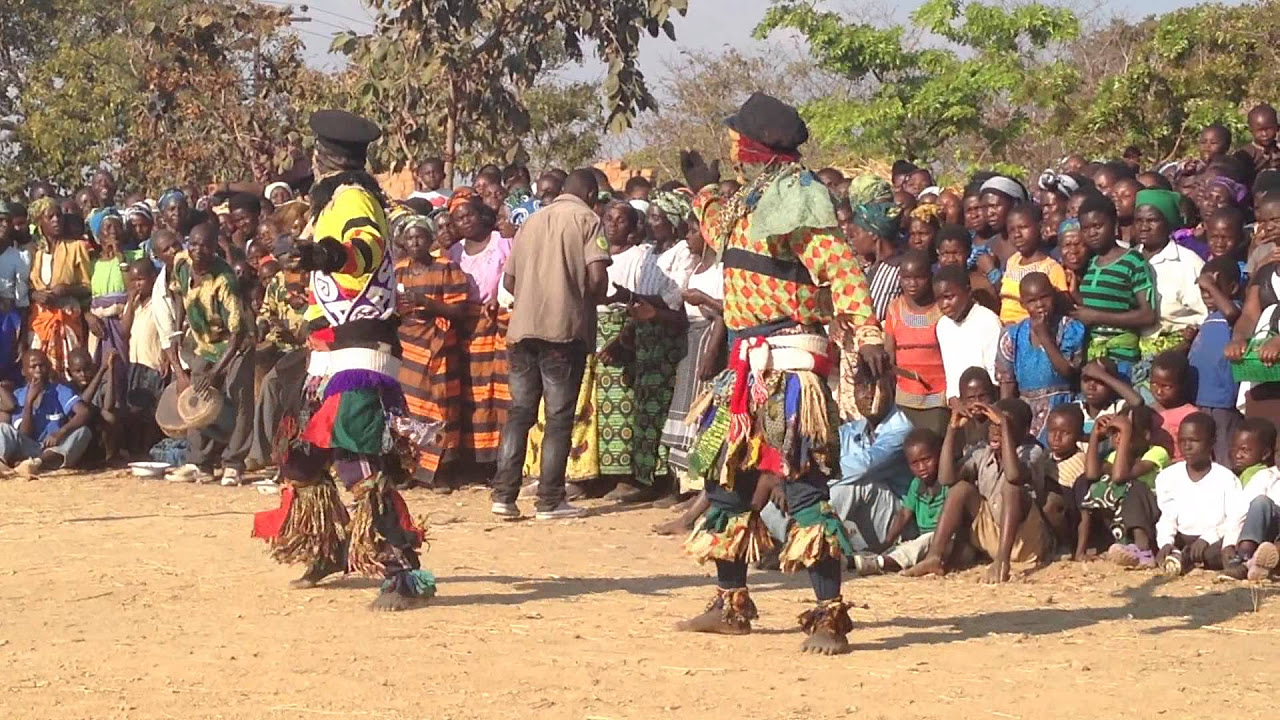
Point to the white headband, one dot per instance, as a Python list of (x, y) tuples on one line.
[(1004, 185)]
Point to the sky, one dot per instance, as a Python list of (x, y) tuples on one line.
[(709, 24)]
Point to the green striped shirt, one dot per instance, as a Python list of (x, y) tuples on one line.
[(1116, 288)]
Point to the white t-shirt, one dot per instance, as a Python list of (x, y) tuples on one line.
[(1194, 508), (711, 283), (972, 342), (637, 270)]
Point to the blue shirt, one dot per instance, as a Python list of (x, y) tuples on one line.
[(53, 411), (875, 454), (1215, 388)]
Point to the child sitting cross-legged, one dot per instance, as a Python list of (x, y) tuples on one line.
[(991, 493), (1194, 497), (920, 508), (1064, 431), (1115, 495), (1253, 517)]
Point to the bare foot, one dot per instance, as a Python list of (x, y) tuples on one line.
[(712, 621), (395, 602), (996, 574), (928, 566), (678, 526), (825, 642), (313, 576)]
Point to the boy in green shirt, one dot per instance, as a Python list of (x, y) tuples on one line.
[(922, 505)]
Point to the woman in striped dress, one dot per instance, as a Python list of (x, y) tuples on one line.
[(431, 299), (482, 254)]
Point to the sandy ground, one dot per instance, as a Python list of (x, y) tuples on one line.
[(124, 598)]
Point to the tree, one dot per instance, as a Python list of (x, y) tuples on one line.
[(458, 69), (1189, 68), (164, 91), (983, 78), (565, 121)]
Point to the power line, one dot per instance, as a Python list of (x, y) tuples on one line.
[(304, 7)]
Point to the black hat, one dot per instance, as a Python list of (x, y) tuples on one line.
[(342, 130), (770, 122)]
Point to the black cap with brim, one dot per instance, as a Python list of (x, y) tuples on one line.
[(341, 129), (770, 122)]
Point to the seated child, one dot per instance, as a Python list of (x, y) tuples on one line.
[(1102, 392), (976, 388), (48, 429), (1064, 432), (94, 387), (992, 491), (1194, 496), (921, 507), (1039, 357), (1253, 518), (1116, 494), (1170, 389), (1216, 388)]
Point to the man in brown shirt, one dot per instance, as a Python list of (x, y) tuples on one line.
[(556, 273)]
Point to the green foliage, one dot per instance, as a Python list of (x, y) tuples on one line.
[(455, 73), (165, 91), (1193, 67), (984, 76)]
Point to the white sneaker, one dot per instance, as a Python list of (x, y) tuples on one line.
[(505, 510), (230, 477), (563, 511)]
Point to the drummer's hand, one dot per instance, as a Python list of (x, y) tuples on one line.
[(202, 384)]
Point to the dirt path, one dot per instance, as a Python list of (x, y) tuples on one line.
[(138, 599)]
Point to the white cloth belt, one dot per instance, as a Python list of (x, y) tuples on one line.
[(318, 363), (364, 359), (787, 353)]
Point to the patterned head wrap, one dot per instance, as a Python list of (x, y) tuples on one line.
[(1059, 183), (929, 212), (419, 221), (1068, 226), (1234, 189), (865, 189), (461, 196), (139, 209), (675, 207), (100, 216), (879, 219), (5, 208), (38, 210), (171, 197), (1167, 202)]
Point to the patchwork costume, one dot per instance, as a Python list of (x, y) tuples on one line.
[(357, 427), (786, 267)]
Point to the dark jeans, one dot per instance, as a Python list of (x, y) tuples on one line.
[(539, 371)]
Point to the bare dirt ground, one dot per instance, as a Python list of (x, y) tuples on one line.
[(124, 598)]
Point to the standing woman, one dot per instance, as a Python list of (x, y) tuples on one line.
[(639, 342), (431, 298), (705, 345), (60, 277), (1117, 292), (999, 195), (873, 233), (482, 254), (110, 294), (922, 233)]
